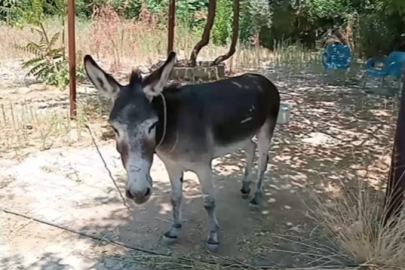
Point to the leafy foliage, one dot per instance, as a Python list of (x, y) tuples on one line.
[(190, 13), (19, 13), (49, 63), (245, 26), (222, 25), (377, 22), (261, 13), (31, 12)]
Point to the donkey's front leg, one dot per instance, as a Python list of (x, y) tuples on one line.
[(204, 173), (176, 180)]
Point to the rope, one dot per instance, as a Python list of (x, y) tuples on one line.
[(114, 242), (167, 255), (105, 164), (164, 120)]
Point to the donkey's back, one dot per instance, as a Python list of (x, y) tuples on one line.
[(222, 115)]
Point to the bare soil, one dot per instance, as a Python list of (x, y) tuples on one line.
[(336, 133)]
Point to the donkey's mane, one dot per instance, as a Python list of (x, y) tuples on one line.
[(135, 77)]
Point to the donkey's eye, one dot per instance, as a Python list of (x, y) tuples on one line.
[(152, 127), (115, 130)]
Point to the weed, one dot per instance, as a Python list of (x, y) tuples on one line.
[(353, 221), (50, 64)]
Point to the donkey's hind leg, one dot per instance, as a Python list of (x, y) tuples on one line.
[(263, 143), (249, 149)]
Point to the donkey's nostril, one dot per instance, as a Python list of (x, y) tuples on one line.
[(128, 194), (147, 193), (139, 196)]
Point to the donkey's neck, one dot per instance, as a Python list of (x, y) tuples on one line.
[(163, 109), (160, 108)]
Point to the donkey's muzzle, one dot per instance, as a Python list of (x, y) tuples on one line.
[(139, 197)]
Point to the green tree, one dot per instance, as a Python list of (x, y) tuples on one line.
[(222, 26)]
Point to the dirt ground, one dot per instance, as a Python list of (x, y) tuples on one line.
[(336, 133)]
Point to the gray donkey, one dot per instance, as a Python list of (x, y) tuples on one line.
[(187, 127)]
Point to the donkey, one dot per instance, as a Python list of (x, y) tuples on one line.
[(187, 127)]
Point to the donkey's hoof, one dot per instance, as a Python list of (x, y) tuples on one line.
[(256, 200), (245, 193), (212, 245), (169, 239), (254, 203)]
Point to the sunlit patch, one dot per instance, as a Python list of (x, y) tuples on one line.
[(229, 170), (380, 113), (318, 138), (333, 190), (274, 186), (165, 208), (237, 84), (287, 186), (275, 180), (298, 184)]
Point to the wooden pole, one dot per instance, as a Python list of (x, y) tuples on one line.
[(394, 200), (72, 58), (170, 41)]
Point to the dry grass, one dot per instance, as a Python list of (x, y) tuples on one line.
[(26, 128), (120, 45), (216, 263), (353, 222), (124, 43)]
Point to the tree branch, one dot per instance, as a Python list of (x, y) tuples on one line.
[(235, 32), (205, 38)]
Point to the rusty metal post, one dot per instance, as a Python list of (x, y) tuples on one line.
[(170, 40), (72, 58)]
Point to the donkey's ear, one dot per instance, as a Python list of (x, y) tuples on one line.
[(153, 84), (103, 81)]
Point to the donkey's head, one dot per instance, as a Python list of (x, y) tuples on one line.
[(133, 120)]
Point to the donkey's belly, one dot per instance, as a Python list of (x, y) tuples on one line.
[(221, 150), (238, 128)]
